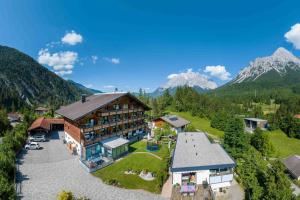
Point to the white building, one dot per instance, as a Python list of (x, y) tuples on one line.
[(196, 160)]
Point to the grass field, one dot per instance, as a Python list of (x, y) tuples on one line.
[(284, 146), (136, 162), (272, 108), (201, 124), (141, 147)]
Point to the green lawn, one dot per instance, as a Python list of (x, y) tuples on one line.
[(137, 162), (284, 146), (272, 108), (141, 147), (201, 124)]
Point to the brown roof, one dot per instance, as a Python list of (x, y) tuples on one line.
[(292, 163), (55, 120), (78, 109), (44, 123), (175, 121), (297, 116), (39, 123)]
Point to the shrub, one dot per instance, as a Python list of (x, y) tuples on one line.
[(65, 195), (7, 190)]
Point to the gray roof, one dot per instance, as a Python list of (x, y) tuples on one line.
[(175, 121), (194, 151), (114, 142), (78, 109), (292, 163), (256, 119)]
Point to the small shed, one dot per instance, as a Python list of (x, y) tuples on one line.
[(41, 110), (252, 123), (13, 117), (43, 125), (292, 163)]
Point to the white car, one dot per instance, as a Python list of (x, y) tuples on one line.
[(32, 146)]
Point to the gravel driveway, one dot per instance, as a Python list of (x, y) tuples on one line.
[(44, 173)]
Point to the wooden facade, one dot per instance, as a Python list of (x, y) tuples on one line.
[(123, 116)]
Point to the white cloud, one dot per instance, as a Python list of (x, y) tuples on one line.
[(218, 71), (109, 86), (191, 79), (71, 38), (62, 62), (172, 76), (94, 59), (112, 60), (88, 85), (293, 35)]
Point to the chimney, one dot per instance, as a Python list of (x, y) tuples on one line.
[(83, 98)]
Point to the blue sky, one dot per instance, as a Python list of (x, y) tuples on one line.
[(140, 43)]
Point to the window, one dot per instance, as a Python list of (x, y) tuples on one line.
[(116, 107)]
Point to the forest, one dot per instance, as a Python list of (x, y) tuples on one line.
[(261, 176)]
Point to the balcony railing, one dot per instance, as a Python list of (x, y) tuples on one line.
[(99, 137), (120, 111), (89, 128)]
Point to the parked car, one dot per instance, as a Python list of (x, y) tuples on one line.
[(38, 138), (32, 146)]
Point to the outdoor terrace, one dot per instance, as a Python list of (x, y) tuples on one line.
[(97, 137)]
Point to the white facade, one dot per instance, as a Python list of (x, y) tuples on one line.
[(70, 140), (203, 176)]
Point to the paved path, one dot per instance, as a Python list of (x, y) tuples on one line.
[(44, 173), (235, 192), (167, 188)]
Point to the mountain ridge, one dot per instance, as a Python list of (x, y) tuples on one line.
[(278, 61), (274, 76), (24, 82)]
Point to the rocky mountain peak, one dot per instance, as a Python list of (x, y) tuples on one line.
[(279, 61)]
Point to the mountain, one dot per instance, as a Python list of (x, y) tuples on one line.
[(199, 82), (270, 76), (25, 82), (159, 91), (280, 62), (82, 87)]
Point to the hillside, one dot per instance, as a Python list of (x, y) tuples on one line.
[(271, 77), (80, 86), (23, 82)]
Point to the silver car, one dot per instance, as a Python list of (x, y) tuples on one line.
[(38, 138)]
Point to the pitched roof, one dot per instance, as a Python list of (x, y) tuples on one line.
[(39, 123), (78, 109), (194, 151), (292, 163), (175, 121), (297, 116), (45, 123), (41, 109), (13, 116)]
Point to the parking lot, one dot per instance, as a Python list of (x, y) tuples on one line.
[(44, 173)]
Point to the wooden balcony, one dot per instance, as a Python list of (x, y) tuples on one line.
[(109, 124), (121, 111)]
